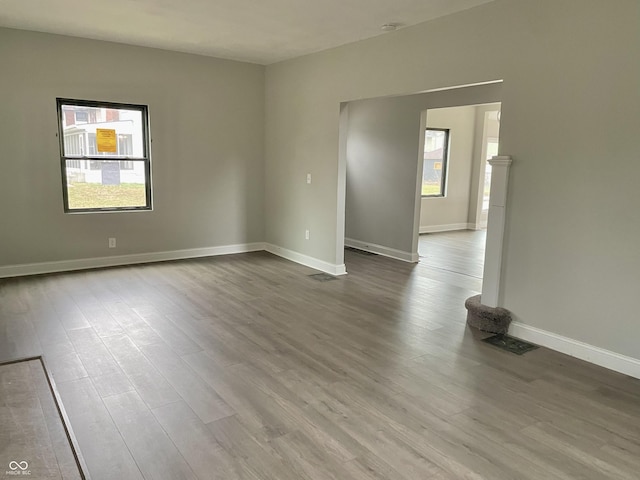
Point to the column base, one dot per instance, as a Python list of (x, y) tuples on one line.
[(487, 319)]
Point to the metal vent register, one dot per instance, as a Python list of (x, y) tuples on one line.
[(510, 344)]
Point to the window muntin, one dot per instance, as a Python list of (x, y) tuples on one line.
[(436, 156), (104, 154)]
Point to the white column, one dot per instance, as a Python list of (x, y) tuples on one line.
[(495, 230)]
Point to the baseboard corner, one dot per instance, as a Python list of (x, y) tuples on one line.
[(306, 260)]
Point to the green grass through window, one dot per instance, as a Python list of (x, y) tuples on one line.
[(430, 189), (95, 195)]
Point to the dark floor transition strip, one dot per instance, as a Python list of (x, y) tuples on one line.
[(36, 441), (510, 344)]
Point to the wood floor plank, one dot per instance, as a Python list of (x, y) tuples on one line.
[(101, 443), (311, 424), (156, 455), (133, 325), (63, 361), (196, 442), (302, 456), (204, 400), (371, 467), (94, 355), (374, 434), (583, 457), (173, 336), (221, 347), (65, 307), (112, 384), (254, 459), (261, 414), (101, 320), (148, 382)]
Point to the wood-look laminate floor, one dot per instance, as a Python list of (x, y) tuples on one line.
[(460, 251), (243, 367)]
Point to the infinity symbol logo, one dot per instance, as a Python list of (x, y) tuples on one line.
[(13, 465)]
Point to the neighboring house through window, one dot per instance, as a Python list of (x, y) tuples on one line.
[(104, 155)]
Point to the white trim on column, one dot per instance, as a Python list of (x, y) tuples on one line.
[(306, 260), (500, 161), (495, 230)]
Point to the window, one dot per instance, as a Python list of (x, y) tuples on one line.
[(436, 155), (82, 117), (104, 156)]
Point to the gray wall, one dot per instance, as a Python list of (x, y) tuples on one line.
[(383, 143), (207, 124), (571, 257), (382, 152)]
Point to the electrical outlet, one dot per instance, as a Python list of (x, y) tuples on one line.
[(309, 178), (112, 242), (306, 234)]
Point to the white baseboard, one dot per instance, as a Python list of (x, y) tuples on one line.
[(382, 250), (447, 228), (599, 356), (330, 268), (477, 226), (118, 260)]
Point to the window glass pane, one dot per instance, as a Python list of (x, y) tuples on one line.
[(79, 125), (435, 150), (105, 184)]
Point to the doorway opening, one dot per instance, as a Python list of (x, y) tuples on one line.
[(453, 218), (381, 167)]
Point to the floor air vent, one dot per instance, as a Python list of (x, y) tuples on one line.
[(510, 344), (322, 277)]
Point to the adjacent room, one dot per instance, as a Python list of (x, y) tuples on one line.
[(241, 240), (456, 186), (416, 168)]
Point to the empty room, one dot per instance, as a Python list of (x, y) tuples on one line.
[(210, 256)]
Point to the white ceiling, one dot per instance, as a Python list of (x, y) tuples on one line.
[(259, 31)]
